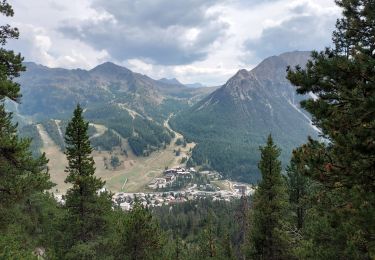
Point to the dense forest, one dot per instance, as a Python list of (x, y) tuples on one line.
[(323, 208)]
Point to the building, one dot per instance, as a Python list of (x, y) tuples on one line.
[(158, 183)]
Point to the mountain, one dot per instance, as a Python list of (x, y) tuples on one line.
[(176, 82), (230, 124), (53, 92), (195, 85), (172, 81), (133, 105)]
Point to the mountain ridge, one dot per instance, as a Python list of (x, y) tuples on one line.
[(54, 91), (241, 113)]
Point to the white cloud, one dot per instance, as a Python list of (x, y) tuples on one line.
[(191, 40)]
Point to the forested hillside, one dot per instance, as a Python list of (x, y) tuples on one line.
[(133, 105), (231, 123), (322, 208)]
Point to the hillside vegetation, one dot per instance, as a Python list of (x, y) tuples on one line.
[(230, 124)]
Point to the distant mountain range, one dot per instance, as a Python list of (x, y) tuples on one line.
[(231, 123), (53, 92), (135, 106), (228, 123), (175, 81)]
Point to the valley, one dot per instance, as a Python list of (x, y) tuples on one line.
[(134, 172), (135, 120), (187, 130)]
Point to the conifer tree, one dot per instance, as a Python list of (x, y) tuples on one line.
[(208, 240), (268, 238), (227, 250), (242, 218), (141, 238), (343, 80), (298, 188), (21, 175), (87, 208)]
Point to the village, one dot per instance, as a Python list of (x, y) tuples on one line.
[(190, 185), (172, 175)]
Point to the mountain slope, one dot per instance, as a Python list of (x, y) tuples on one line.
[(53, 92), (231, 123), (130, 103)]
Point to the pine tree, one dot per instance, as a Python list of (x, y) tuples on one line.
[(242, 218), (227, 250), (21, 175), (141, 238), (208, 240), (343, 80), (298, 188), (87, 209), (268, 237)]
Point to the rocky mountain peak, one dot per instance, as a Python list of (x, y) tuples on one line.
[(110, 69), (172, 81)]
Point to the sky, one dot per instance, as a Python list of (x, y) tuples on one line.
[(204, 41)]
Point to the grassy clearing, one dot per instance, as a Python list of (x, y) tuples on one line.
[(57, 161)]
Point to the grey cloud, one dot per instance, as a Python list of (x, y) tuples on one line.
[(160, 13), (251, 3), (303, 31), (152, 30)]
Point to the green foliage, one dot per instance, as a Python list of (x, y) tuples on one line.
[(106, 141), (11, 63), (230, 124), (20, 174), (331, 186), (194, 221), (231, 157), (179, 141), (343, 80), (55, 132), (299, 188), (208, 240), (148, 137), (115, 162), (31, 131), (268, 236), (113, 117), (141, 237), (13, 246), (86, 209), (144, 135)]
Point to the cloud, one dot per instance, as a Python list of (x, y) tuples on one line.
[(308, 27), (39, 45), (157, 31), (193, 40)]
